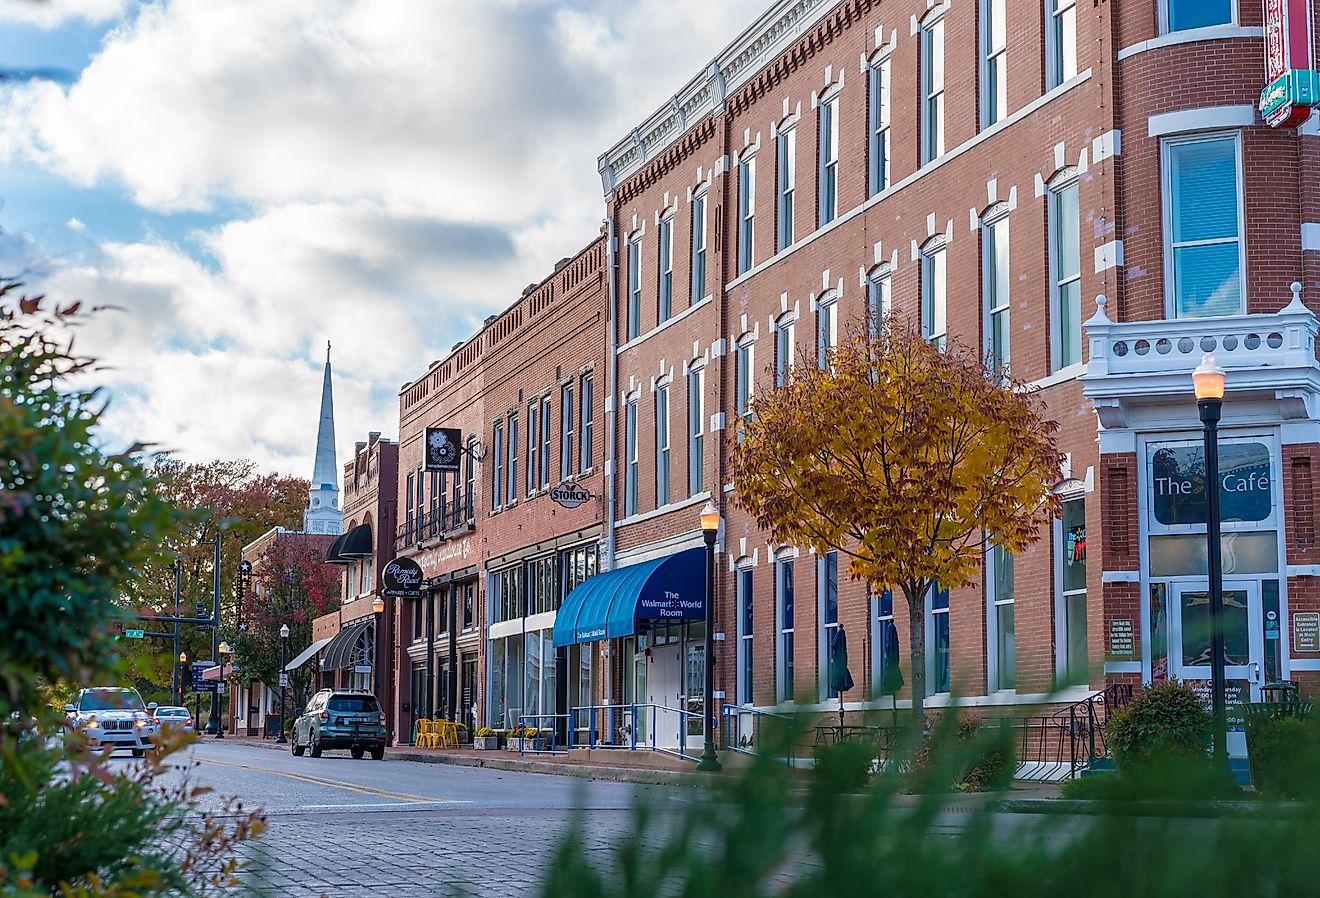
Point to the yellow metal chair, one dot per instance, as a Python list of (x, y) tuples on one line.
[(428, 735), (448, 733)]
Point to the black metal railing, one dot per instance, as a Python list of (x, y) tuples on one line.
[(437, 522), (1074, 735)]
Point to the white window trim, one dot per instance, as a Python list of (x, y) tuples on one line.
[(822, 629), (1054, 77), (880, 274), (664, 266), (992, 634), (567, 430), (697, 425), (746, 641), (785, 356), (634, 247), (1060, 599), (927, 76), (993, 217), (787, 555), (985, 56), (1062, 180), (696, 293), (829, 105), (746, 214), (827, 305), (930, 641), (1234, 18), (878, 123), (1170, 289), (785, 186), (927, 253), (664, 446), (631, 475)]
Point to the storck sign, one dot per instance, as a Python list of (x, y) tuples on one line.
[(1292, 86)]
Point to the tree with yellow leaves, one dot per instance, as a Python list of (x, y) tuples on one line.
[(906, 459)]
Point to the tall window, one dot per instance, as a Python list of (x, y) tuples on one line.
[(533, 446), (1179, 15), (878, 127), (999, 580), (937, 639), (696, 430), (934, 292), (698, 248), (886, 675), (994, 41), (662, 445), (545, 442), (787, 180), (827, 330), (995, 284), (634, 287), (587, 434), (743, 387), (1061, 41), (512, 486), (878, 299), (497, 473), (827, 587), (1072, 591), (828, 200), (1203, 227), (566, 421), (1065, 276), (746, 212), (630, 458), (932, 89), (666, 307), (408, 508), (784, 616), (745, 619), (469, 485), (784, 328)]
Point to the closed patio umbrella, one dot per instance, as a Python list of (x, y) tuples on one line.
[(840, 680)]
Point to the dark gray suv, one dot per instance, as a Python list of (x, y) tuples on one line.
[(351, 720)]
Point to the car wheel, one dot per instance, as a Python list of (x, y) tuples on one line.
[(357, 753), (295, 747), (316, 747), (377, 754)]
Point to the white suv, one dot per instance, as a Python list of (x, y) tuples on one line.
[(113, 716)]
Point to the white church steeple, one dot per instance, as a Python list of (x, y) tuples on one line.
[(323, 514)]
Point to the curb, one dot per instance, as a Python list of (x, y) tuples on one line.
[(1172, 809)]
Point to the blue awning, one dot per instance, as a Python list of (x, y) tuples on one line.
[(609, 605)]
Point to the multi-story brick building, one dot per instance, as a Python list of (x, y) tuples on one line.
[(984, 169), (502, 541)]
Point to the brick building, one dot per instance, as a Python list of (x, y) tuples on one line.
[(504, 539), (985, 168)]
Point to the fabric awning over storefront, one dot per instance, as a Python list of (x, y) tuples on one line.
[(307, 653), (609, 605), (332, 555), (339, 654), (357, 543)]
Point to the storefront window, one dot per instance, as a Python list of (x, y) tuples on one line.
[(937, 649), (1196, 628), (1073, 591), (1159, 632), (1184, 555)]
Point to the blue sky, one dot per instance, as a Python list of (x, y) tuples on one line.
[(246, 179)]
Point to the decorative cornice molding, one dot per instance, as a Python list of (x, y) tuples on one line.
[(757, 51)]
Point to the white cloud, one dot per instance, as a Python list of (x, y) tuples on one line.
[(403, 170), (53, 13), (75, 224)]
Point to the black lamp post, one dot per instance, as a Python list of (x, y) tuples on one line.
[(1208, 382), (284, 647), (377, 608), (183, 659), (710, 528), (224, 686)]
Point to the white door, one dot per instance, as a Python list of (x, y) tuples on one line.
[(664, 691), (1244, 652)]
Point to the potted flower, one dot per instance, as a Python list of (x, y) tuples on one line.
[(524, 738), (486, 739)]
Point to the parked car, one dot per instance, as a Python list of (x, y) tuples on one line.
[(351, 720), (113, 716), (172, 716)]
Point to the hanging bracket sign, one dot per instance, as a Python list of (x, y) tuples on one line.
[(570, 494), (401, 579), (1292, 86), (443, 446)]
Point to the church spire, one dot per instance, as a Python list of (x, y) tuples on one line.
[(323, 514)]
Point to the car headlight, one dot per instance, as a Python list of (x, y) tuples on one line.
[(141, 723), (92, 724)]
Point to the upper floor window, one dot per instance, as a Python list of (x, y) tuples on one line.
[(932, 86), (784, 344), (662, 445), (546, 422), (746, 212), (533, 446), (1203, 226), (995, 285), (743, 386), (878, 127), (512, 485), (586, 435), (787, 181), (827, 329), (1061, 41), (1065, 274), (634, 287), (934, 291), (994, 42), (566, 422), (698, 247), (469, 483), (828, 201), (878, 298), (497, 470), (696, 429), (1180, 15), (666, 306), (630, 457)]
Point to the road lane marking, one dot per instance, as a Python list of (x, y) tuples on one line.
[(405, 797)]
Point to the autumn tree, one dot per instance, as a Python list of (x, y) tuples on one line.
[(907, 459), (293, 586)]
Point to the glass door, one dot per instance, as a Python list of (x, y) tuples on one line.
[(1243, 647)]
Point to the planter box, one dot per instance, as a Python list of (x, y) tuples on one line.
[(534, 743), (486, 743)]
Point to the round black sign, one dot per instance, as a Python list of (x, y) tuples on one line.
[(401, 579)]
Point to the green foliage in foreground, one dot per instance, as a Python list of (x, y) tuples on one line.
[(767, 831)]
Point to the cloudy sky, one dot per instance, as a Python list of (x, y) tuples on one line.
[(248, 179)]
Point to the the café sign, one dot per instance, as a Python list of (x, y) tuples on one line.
[(1292, 86), (1177, 483)]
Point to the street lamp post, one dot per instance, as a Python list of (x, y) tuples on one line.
[(183, 659), (377, 608), (224, 683), (1208, 383), (284, 647), (710, 528)]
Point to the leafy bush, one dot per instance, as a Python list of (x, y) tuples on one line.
[(980, 757), (485, 732), (1165, 725), (1283, 751)]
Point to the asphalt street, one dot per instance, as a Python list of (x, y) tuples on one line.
[(340, 827)]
